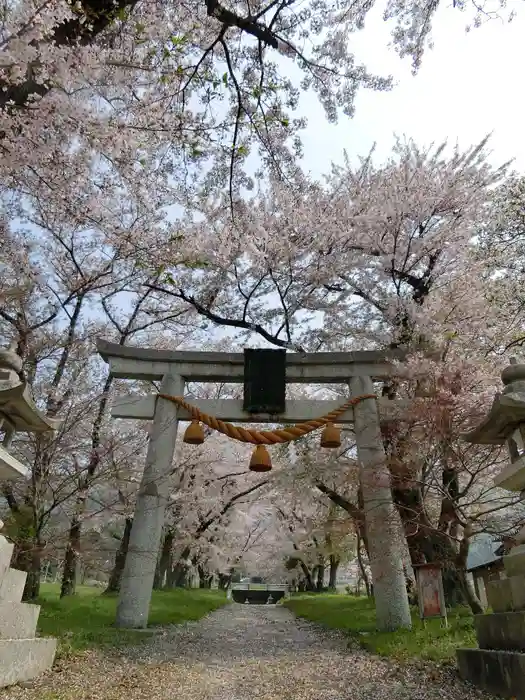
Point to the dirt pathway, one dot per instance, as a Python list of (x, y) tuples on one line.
[(242, 653)]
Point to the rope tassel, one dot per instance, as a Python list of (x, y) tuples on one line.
[(194, 434), (261, 460), (331, 436)]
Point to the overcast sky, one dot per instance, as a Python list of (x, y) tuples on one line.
[(468, 85)]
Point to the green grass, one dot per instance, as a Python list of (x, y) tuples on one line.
[(86, 620), (356, 616)]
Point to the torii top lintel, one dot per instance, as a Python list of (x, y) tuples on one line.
[(127, 362)]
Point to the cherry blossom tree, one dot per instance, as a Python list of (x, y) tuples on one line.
[(210, 491), (356, 257), (113, 115), (319, 537), (385, 257), (97, 96), (70, 288)]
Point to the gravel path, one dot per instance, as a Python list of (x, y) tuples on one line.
[(243, 652)]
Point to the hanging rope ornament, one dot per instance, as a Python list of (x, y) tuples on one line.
[(260, 461), (194, 434), (331, 436)]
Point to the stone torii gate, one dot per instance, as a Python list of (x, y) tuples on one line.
[(173, 369)]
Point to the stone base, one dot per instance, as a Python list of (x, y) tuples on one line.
[(6, 550), (18, 620), (514, 562), (22, 657), (507, 595), (503, 631), (10, 468), (500, 672), (25, 659), (512, 478), (12, 586)]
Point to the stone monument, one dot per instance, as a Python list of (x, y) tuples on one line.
[(23, 656), (499, 663)]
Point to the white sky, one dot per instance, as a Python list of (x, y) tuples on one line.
[(469, 85)]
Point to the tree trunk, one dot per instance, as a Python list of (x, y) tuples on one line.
[(334, 565), (320, 577), (158, 581), (71, 559), (411, 588), (204, 577), (416, 526), (444, 551), (467, 588), (120, 559), (164, 561), (172, 576), (22, 528), (224, 581), (382, 520), (307, 576), (470, 595), (177, 576), (361, 530), (362, 569), (355, 512), (28, 557), (32, 585), (69, 576), (427, 544), (169, 567)]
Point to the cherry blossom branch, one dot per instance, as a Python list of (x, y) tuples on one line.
[(339, 500), (227, 506), (237, 122), (223, 321), (246, 24), (94, 17)]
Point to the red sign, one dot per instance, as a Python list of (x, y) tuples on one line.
[(430, 591)]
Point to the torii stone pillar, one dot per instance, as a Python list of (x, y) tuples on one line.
[(499, 663), (146, 532), (173, 369), (381, 518)]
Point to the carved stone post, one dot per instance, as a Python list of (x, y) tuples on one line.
[(23, 656), (499, 664)]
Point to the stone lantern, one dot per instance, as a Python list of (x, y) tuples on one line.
[(18, 413), (22, 655), (499, 663)]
